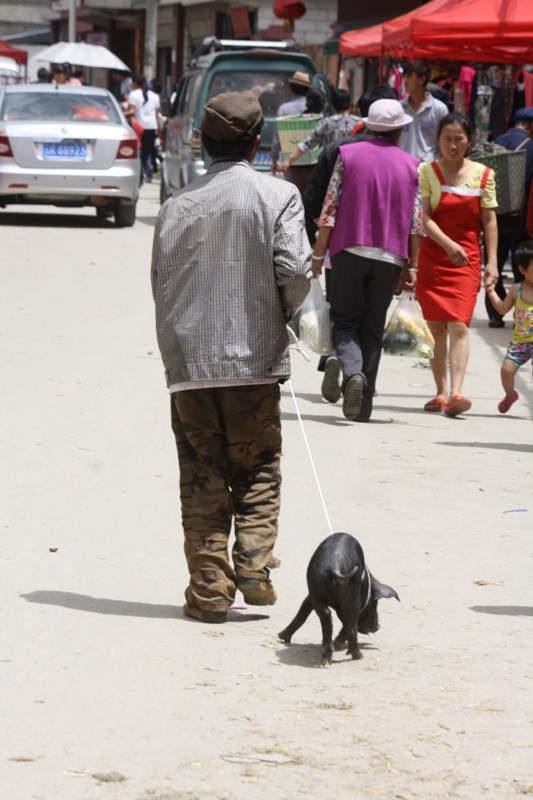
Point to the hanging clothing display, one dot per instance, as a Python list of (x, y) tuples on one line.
[(466, 80), (483, 104), (525, 77), (508, 87), (497, 112), (395, 80), (459, 104)]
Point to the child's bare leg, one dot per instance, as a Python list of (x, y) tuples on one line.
[(508, 373), (440, 358)]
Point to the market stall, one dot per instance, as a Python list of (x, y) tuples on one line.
[(10, 56), (496, 23), (20, 56)]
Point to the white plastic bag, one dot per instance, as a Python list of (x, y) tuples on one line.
[(315, 325), (407, 331)]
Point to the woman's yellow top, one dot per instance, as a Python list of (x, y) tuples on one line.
[(430, 185)]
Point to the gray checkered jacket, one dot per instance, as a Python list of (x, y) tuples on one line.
[(228, 269)]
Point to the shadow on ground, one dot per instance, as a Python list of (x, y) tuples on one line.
[(513, 446), (25, 219), (308, 655), (337, 421), (121, 608), (508, 611)]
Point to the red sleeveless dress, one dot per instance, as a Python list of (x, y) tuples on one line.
[(447, 292)]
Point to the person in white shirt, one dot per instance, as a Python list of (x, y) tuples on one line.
[(419, 138), (144, 107)]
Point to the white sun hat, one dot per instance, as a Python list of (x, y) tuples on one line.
[(386, 115)]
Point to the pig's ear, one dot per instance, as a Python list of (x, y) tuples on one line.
[(381, 590)]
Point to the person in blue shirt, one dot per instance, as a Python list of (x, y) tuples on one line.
[(512, 231), (299, 84)]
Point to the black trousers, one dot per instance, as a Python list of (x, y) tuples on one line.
[(510, 237), (148, 151), (360, 294)]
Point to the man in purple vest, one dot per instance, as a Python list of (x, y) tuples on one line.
[(372, 223)]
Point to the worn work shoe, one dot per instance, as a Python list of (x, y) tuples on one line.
[(353, 393), (201, 614), (331, 390), (256, 592)]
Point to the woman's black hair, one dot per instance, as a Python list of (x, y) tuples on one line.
[(315, 101), (389, 136), (456, 118), (141, 81), (340, 99), (231, 148), (381, 92), (524, 254), (298, 90)]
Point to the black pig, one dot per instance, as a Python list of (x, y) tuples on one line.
[(337, 578)]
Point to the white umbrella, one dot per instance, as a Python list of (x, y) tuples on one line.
[(82, 55), (8, 66)]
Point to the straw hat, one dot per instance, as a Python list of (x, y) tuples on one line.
[(386, 115), (301, 79)]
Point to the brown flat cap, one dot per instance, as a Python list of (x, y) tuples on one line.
[(231, 115), (301, 79)]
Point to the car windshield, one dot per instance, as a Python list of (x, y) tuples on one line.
[(58, 107), (270, 88)]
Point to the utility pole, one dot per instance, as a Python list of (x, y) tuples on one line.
[(150, 40), (72, 11)]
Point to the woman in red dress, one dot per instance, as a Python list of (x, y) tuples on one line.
[(458, 196)]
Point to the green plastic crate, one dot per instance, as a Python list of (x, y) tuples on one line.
[(293, 130)]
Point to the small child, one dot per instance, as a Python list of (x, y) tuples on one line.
[(520, 349)]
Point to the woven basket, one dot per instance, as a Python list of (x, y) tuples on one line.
[(510, 172), (295, 129)]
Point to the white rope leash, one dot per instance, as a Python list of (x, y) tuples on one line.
[(310, 457)]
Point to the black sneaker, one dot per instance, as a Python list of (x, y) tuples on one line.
[(331, 390), (353, 393), (494, 322)]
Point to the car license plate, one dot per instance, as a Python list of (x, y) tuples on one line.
[(262, 159), (64, 150)]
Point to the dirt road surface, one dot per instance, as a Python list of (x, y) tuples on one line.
[(108, 693)]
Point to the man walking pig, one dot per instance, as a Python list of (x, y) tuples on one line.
[(229, 268)]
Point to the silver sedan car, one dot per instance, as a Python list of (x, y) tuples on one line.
[(68, 146)]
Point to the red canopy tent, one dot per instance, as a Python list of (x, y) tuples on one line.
[(458, 30), (365, 42), (396, 31), (20, 56), (371, 41), (497, 23)]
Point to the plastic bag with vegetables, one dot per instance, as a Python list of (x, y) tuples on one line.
[(315, 325), (407, 331)]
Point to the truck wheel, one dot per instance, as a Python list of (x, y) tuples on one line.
[(124, 214)]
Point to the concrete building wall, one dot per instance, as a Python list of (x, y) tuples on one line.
[(312, 29), (310, 32), (22, 16)]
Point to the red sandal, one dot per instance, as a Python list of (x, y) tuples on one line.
[(457, 405), (437, 404), (507, 402)]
